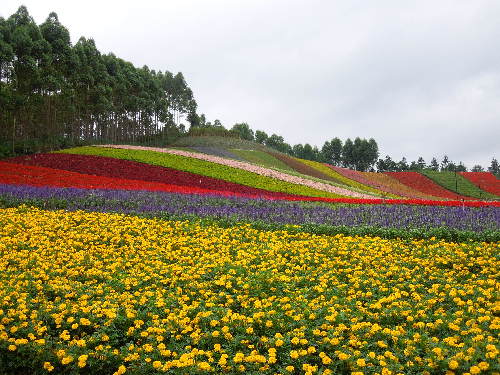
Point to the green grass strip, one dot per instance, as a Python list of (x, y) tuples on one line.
[(218, 142)]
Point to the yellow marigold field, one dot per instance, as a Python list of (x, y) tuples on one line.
[(99, 293)]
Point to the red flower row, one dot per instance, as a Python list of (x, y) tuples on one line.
[(425, 185), (484, 180), (419, 202)]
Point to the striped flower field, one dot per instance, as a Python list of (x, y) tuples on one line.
[(141, 261)]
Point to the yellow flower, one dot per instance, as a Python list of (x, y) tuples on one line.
[(205, 366), (453, 364), (361, 362), (326, 360), (12, 348), (474, 370), (289, 368), (343, 356), (48, 366), (66, 360), (483, 366), (84, 322)]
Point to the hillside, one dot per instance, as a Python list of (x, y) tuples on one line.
[(413, 185), (228, 165)]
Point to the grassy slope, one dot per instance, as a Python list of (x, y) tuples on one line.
[(262, 158), (222, 142), (458, 184), (204, 168)]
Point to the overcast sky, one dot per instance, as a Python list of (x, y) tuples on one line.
[(421, 77)]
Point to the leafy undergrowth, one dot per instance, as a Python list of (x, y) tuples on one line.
[(181, 297), (458, 184)]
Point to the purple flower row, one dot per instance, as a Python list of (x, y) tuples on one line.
[(246, 209)]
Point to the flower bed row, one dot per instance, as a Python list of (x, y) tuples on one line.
[(305, 169), (420, 202), (349, 181), (424, 184), (175, 159), (264, 159), (18, 174), (155, 296), (394, 186), (271, 173), (484, 180), (403, 220), (359, 177), (382, 182), (216, 152), (132, 170)]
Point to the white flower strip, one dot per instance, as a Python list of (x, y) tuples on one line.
[(250, 168)]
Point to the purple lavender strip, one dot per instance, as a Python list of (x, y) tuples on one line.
[(247, 209)]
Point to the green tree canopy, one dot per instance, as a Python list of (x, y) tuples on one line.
[(53, 93), (243, 129)]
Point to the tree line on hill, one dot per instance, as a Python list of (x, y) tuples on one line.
[(360, 154), (54, 94)]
